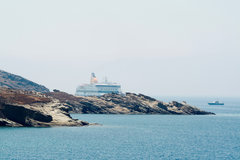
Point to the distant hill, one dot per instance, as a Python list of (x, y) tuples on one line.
[(12, 81)]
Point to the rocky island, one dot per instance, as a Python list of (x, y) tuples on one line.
[(24, 103)]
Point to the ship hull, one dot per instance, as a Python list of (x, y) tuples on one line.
[(216, 104)]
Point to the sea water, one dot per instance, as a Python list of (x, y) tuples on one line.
[(134, 136)]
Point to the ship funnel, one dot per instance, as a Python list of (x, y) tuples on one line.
[(93, 78), (105, 80)]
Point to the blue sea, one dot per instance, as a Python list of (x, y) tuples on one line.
[(130, 137)]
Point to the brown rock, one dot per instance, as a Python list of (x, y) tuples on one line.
[(130, 103), (33, 109)]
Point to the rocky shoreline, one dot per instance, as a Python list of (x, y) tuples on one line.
[(33, 109), (130, 103)]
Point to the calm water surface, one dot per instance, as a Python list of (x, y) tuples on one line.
[(133, 136)]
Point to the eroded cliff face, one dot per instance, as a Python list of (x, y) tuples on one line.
[(124, 104), (32, 109)]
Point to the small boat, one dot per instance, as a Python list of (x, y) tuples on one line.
[(215, 103)]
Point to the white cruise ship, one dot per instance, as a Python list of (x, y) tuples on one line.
[(97, 89)]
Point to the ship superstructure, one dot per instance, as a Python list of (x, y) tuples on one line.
[(97, 89)]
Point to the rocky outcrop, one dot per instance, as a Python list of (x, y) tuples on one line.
[(33, 109), (124, 104), (24, 103), (12, 81)]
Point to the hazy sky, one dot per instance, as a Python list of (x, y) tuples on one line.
[(155, 47)]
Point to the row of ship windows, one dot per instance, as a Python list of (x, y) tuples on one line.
[(108, 89)]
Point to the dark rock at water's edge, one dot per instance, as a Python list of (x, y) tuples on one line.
[(124, 104), (33, 109), (12, 81)]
